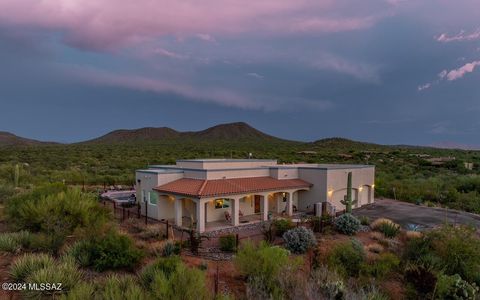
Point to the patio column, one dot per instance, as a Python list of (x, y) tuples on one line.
[(289, 208), (235, 211), (200, 215), (178, 211), (265, 208)]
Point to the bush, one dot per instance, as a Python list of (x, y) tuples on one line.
[(65, 272), (263, 264), (121, 287), (378, 222), (325, 283), (81, 291), (364, 220), (112, 251), (422, 277), (170, 248), (375, 248), (169, 278), (56, 212), (347, 258), (228, 243), (454, 287), (15, 241), (384, 265), (25, 265), (347, 224), (390, 230), (298, 240), (281, 226)]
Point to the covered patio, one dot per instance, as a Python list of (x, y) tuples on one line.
[(222, 203)]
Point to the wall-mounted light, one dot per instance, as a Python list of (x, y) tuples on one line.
[(330, 193), (373, 186), (360, 188)]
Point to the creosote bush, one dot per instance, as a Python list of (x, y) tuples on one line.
[(106, 252), (347, 258), (281, 226), (298, 240), (228, 243), (347, 224)]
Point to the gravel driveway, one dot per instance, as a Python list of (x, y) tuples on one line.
[(406, 213)]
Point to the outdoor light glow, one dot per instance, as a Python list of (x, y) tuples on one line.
[(360, 188), (373, 186)]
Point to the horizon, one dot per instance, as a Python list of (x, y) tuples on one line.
[(390, 72), (444, 145)]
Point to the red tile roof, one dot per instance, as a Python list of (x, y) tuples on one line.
[(199, 188)]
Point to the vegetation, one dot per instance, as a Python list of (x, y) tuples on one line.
[(348, 201), (280, 226), (109, 251), (298, 240), (347, 224), (347, 258), (228, 243)]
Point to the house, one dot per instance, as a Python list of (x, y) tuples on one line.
[(210, 193)]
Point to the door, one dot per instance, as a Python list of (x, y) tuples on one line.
[(257, 204)]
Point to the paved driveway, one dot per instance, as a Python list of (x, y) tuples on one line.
[(406, 213)]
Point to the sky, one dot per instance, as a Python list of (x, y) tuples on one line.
[(383, 71)]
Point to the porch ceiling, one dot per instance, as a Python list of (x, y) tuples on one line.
[(198, 188)]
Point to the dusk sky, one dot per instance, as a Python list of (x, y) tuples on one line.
[(384, 71)]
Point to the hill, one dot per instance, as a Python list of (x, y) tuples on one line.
[(238, 131), (9, 139)]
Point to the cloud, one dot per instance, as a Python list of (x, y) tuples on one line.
[(169, 54), (207, 94), (424, 86), (255, 75), (461, 36), (107, 24), (451, 75), (358, 70), (460, 72)]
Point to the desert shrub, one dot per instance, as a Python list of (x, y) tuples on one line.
[(15, 241), (378, 222), (263, 264), (169, 278), (458, 250), (384, 265), (375, 248), (81, 291), (325, 283), (281, 226), (268, 231), (347, 258), (347, 224), (121, 287), (166, 266), (389, 230), (422, 277), (454, 287), (170, 248), (56, 212), (195, 240), (377, 236), (416, 249), (364, 220), (27, 264), (152, 232), (111, 251), (298, 240), (228, 243), (315, 223), (65, 272), (413, 234)]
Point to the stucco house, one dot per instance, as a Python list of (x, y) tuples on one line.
[(230, 192)]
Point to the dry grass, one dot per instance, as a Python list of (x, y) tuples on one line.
[(413, 234), (379, 222), (375, 248), (377, 236)]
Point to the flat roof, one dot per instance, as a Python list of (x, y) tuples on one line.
[(222, 160)]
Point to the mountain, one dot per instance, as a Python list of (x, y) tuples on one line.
[(136, 135), (238, 131), (9, 139)]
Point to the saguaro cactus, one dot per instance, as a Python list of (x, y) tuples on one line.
[(347, 200), (16, 175)]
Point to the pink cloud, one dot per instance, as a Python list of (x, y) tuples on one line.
[(461, 36), (107, 24), (460, 72)]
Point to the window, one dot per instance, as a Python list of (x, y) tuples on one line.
[(222, 203), (152, 198)]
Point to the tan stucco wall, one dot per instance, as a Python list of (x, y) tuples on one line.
[(317, 193)]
